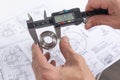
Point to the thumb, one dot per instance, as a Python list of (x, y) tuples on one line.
[(66, 49), (98, 20)]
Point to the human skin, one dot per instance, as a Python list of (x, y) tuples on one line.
[(75, 67), (113, 19)]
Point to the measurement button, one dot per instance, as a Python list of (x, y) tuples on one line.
[(65, 11), (47, 22), (68, 21), (62, 22), (42, 23)]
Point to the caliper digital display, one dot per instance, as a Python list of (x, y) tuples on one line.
[(64, 18), (67, 17)]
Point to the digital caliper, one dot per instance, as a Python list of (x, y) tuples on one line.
[(59, 19)]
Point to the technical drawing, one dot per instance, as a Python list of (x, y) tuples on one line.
[(95, 66), (93, 63), (107, 58), (117, 31), (115, 49), (26, 47), (7, 31), (38, 12), (75, 39), (1, 75), (10, 28), (104, 31), (22, 20), (14, 56), (102, 45), (22, 75), (19, 74)]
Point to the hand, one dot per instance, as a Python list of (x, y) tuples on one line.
[(75, 67), (113, 19)]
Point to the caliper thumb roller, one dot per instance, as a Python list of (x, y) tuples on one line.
[(59, 19)]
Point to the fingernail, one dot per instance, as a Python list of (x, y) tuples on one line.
[(66, 39), (88, 25), (33, 46)]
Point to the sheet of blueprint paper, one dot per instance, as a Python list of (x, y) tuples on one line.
[(100, 46)]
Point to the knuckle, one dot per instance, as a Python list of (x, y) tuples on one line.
[(34, 64), (34, 57), (95, 20), (45, 75), (79, 59)]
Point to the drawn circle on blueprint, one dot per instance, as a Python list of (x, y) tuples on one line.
[(13, 57), (23, 76), (8, 30), (19, 74), (77, 41), (10, 59)]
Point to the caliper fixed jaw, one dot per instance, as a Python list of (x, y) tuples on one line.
[(32, 31), (32, 25)]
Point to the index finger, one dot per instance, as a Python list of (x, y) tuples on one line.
[(92, 4), (96, 4), (38, 55)]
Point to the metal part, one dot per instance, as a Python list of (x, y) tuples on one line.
[(85, 20), (45, 15), (58, 32), (30, 18), (50, 44), (33, 32)]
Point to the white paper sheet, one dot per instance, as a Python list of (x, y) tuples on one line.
[(100, 46)]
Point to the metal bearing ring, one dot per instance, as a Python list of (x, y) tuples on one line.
[(48, 40)]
